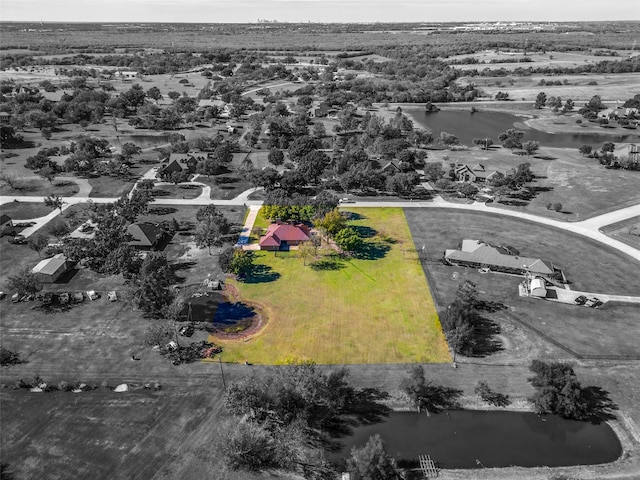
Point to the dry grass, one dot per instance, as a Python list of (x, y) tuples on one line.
[(363, 311)]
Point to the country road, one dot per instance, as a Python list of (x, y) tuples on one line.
[(587, 228)]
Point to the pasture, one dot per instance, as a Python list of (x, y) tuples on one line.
[(372, 309)]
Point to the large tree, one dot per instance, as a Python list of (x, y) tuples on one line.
[(211, 230), (372, 462), (152, 285), (511, 138), (24, 282), (427, 396)]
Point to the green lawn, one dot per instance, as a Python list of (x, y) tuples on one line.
[(376, 310)]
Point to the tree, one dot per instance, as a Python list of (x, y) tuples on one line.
[(241, 262), (300, 147), (433, 171), (427, 396), (608, 147), (37, 243), (123, 260), (225, 258), (8, 357), (25, 282), (541, 100), (173, 95), (211, 230), (483, 143), (152, 284), (530, 147), (307, 250), (448, 139), (331, 223), (557, 390), (585, 150), (129, 149), (348, 239), (48, 173), (488, 395), (53, 201), (59, 228), (511, 138), (372, 462), (154, 94), (276, 157)]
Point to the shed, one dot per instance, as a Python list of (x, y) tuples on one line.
[(51, 269), (5, 221), (537, 288)]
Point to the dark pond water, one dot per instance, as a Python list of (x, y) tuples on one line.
[(225, 315), (476, 439), (467, 126), (143, 141)]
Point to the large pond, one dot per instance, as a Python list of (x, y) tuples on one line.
[(143, 141), (467, 126), (477, 439)]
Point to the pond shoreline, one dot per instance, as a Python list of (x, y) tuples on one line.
[(625, 466)]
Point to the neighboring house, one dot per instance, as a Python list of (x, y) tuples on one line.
[(281, 236), (51, 269), (185, 161), (390, 167), (5, 117), (634, 153), (171, 167), (5, 221), (477, 173), (477, 254), (322, 110), (126, 74), (146, 236)]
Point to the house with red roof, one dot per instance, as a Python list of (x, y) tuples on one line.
[(281, 236)]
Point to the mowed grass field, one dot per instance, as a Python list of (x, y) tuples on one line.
[(365, 311), (611, 330)]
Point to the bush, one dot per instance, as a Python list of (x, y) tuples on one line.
[(8, 357), (491, 397)]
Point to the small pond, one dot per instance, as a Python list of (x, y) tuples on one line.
[(477, 439), (467, 126), (142, 140), (229, 317)]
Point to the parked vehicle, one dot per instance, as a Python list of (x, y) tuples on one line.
[(346, 200), (187, 330), (18, 240), (593, 302), (580, 300)]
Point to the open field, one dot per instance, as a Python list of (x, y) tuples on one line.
[(537, 59), (24, 211), (621, 86), (610, 331), (367, 310)]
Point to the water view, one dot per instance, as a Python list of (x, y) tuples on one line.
[(477, 439), (467, 126)]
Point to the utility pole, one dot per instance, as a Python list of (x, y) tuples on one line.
[(224, 383)]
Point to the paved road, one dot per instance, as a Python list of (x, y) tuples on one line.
[(588, 228)]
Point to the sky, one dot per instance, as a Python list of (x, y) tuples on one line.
[(217, 11)]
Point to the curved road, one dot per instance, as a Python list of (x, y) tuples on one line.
[(588, 228)]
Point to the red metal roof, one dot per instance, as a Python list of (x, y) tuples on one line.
[(284, 232)]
